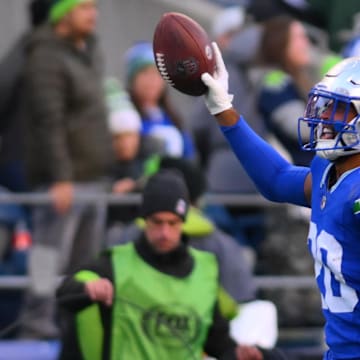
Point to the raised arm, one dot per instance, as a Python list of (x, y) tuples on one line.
[(275, 178)]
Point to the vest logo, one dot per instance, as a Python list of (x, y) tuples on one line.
[(171, 325)]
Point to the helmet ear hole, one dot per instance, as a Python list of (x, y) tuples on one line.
[(352, 138)]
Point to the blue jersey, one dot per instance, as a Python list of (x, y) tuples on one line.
[(334, 235), (334, 242)]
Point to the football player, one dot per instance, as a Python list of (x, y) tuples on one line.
[(330, 186)]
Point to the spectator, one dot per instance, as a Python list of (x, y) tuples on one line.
[(130, 149), (238, 291), (246, 225), (335, 17), (12, 104), (15, 241), (167, 307), (351, 45), (12, 114), (69, 152), (148, 92), (14, 218), (226, 24), (289, 69), (125, 126), (286, 55), (240, 42)]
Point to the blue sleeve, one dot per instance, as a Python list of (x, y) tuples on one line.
[(275, 178)]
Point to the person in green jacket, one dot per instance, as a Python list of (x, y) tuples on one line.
[(155, 298), (68, 153)]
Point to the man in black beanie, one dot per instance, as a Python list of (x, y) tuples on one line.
[(164, 207), (165, 192), (154, 298), (236, 279)]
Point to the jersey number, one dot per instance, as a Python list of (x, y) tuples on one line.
[(336, 295)]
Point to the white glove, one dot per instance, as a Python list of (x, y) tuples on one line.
[(217, 99)]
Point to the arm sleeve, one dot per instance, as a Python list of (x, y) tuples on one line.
[(47, 90), (11, 71), (218, 343), (275, 178), (71, 292)]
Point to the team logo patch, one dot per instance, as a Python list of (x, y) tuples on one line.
[(180, 207), (171, 325), (356, 207)]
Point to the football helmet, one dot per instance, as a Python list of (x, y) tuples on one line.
[(331, 122)]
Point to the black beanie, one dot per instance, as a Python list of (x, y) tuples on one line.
[(193, 175), (165, 191)]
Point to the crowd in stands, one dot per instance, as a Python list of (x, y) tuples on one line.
[(68, 130)]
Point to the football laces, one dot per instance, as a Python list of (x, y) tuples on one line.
[(160, 62)]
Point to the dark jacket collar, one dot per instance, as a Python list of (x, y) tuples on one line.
[(178, 262)]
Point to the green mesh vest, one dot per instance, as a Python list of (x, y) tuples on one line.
[(157, 316)]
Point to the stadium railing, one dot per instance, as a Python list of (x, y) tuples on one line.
[(240, 200), (300, 343)]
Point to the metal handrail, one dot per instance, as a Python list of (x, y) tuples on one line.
[(234, 199), (15, 282), (285, 281)]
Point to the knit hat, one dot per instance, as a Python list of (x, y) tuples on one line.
[(227, 20), (122, 115), (165, 191), (193, 175), (139, 56), (60, 8)]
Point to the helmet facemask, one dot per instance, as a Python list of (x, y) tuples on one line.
[(330, 125), (325, 126)]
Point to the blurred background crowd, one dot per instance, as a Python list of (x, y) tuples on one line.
[(106, 121)]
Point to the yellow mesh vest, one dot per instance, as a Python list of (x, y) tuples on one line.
[(157, 316)]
